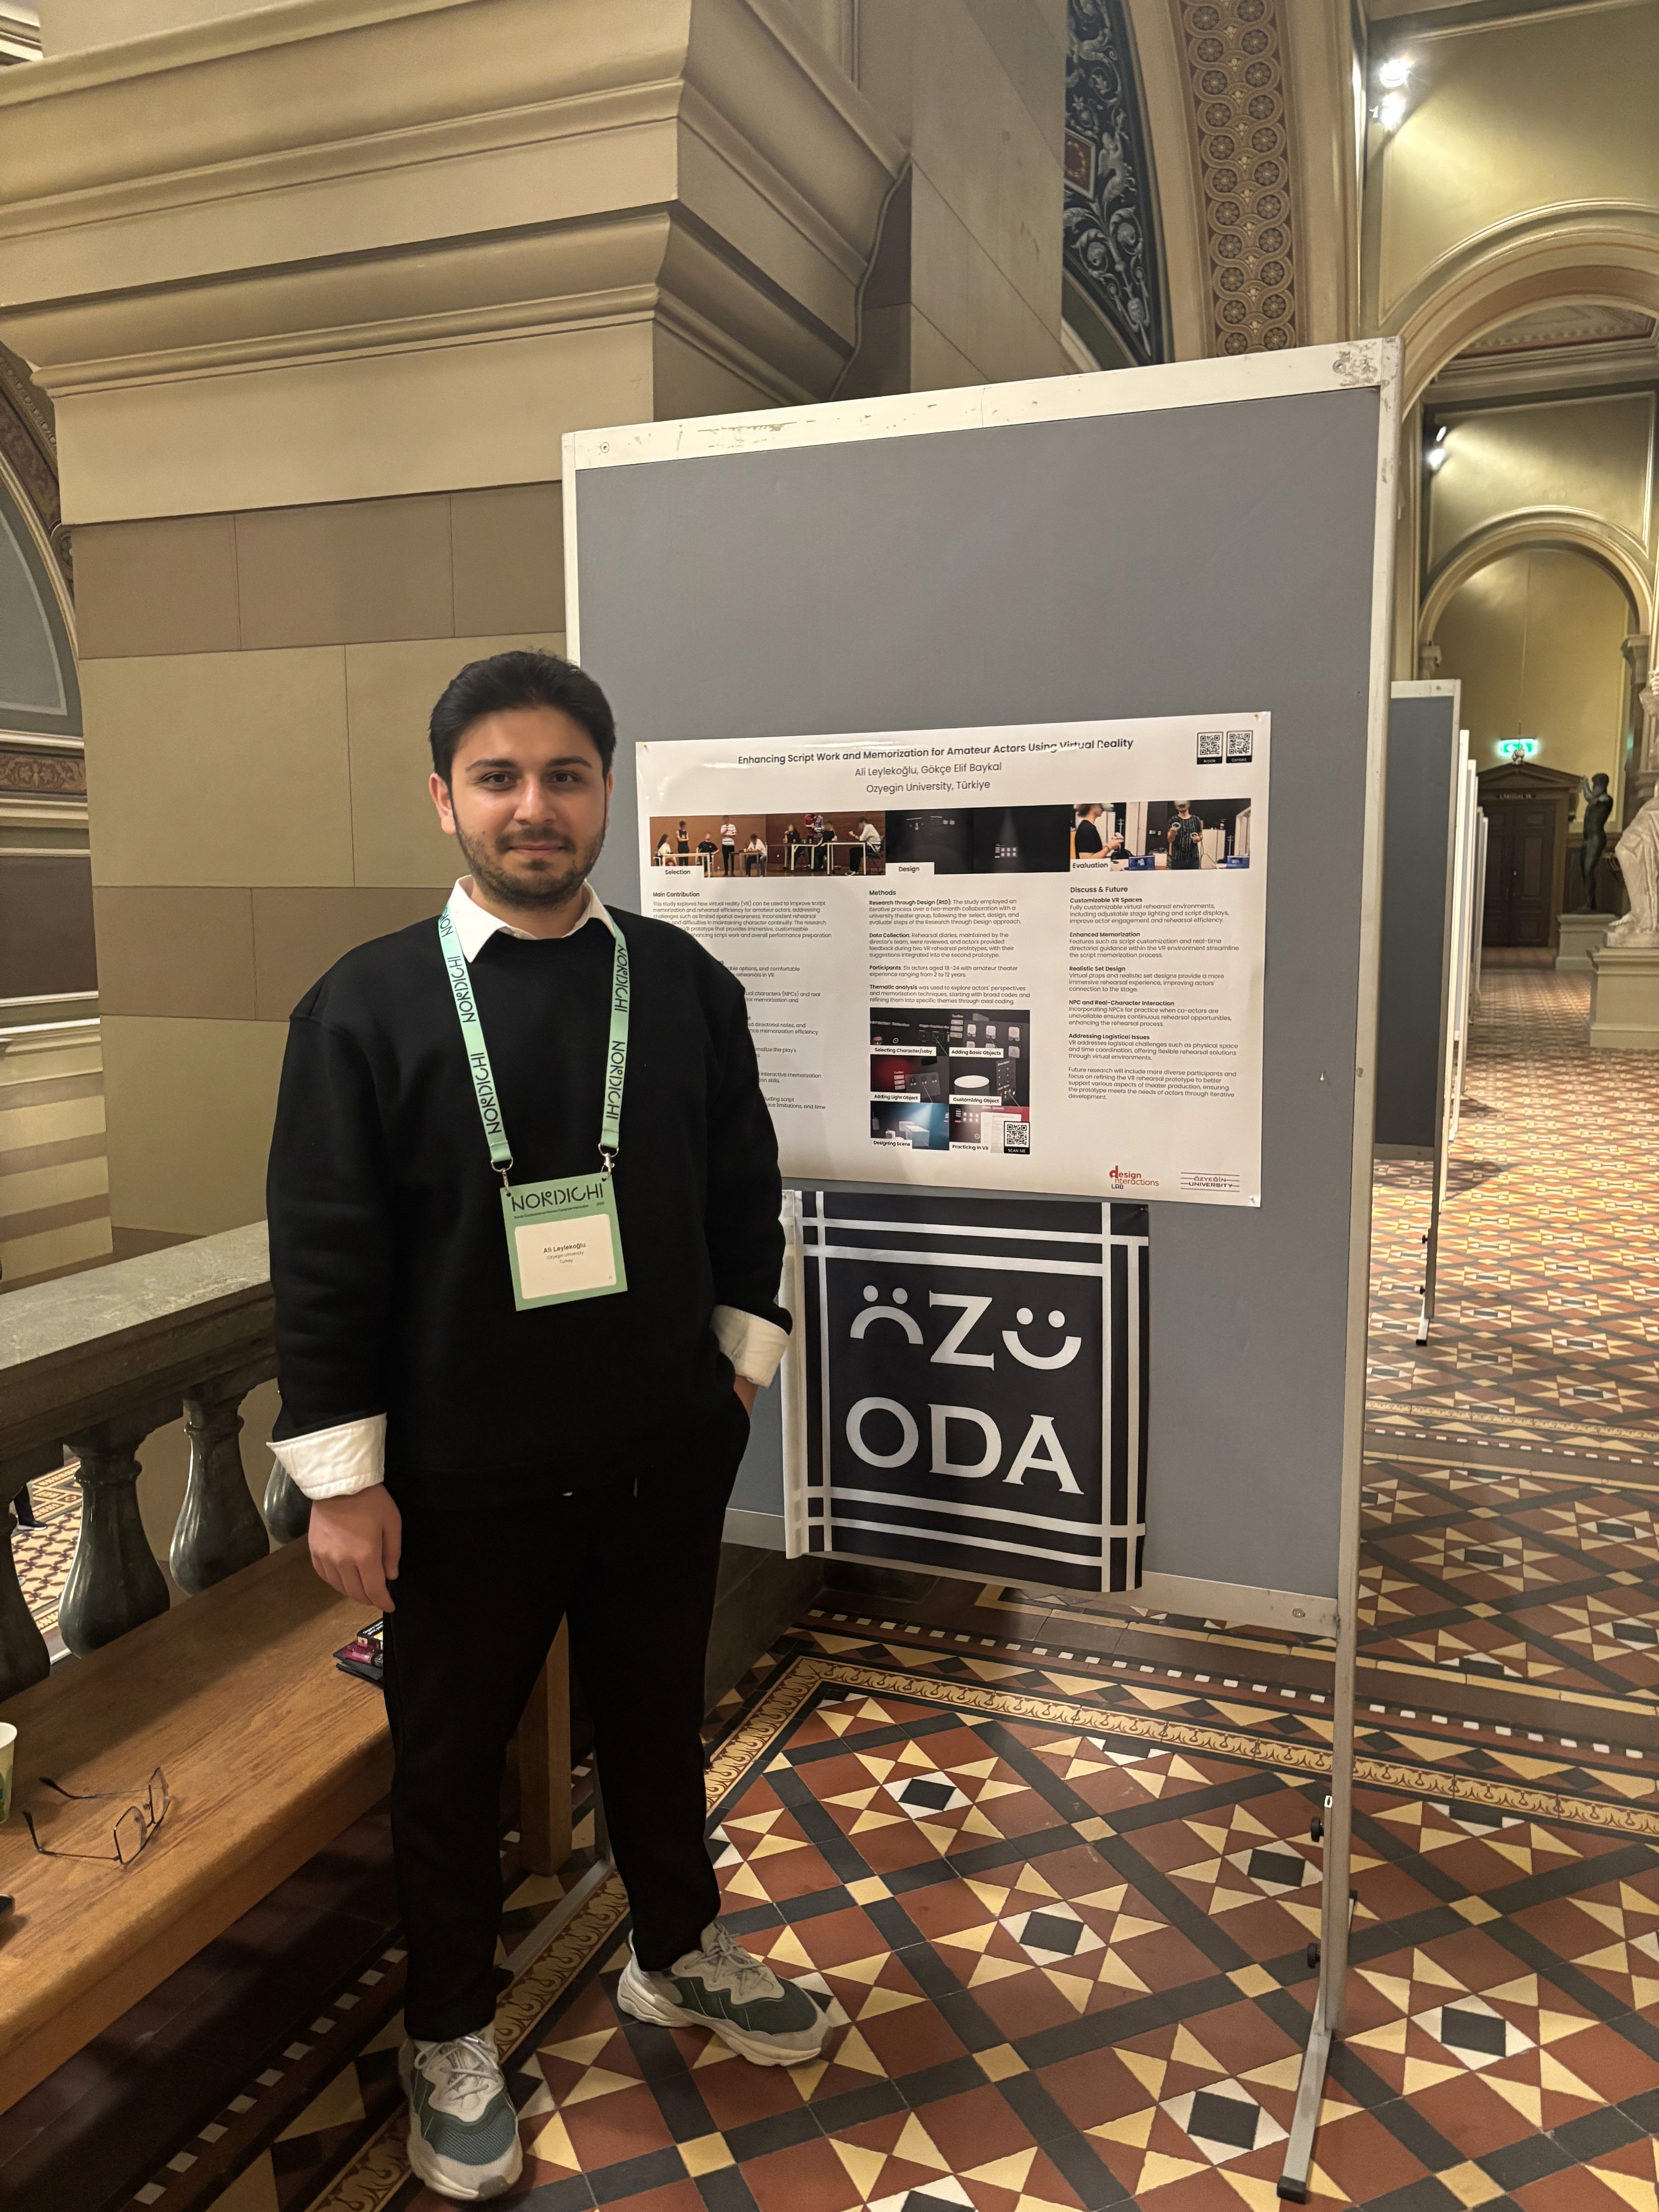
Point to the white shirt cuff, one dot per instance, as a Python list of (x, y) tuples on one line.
[(336, 1462), (754, 1347)]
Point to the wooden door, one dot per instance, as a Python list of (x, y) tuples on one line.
[(1520, 872)]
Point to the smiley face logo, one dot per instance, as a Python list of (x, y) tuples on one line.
[(1068, 1353), (873, 1313)]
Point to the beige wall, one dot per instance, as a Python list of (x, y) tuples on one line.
[(310, 400), (54, 1179), (359, 253), (1535, 638), (1563, 488), (257, 687), (1508, 119), (1594, 456), (71, 26), (976, 90)]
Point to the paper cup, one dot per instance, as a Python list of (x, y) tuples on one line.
[(8, 1749)]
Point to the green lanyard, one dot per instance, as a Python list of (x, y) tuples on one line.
[(477, 1055)]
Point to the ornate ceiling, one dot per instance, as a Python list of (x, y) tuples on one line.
[(1551, 327), (1235, 60)]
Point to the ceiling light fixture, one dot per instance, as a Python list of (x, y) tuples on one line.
[(1394, 72), (1390, 110)]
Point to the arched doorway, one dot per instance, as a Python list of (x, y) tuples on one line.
[(1533, 634)]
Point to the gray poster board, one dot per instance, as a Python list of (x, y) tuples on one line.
[(1214, 536), (1414, 988), (1199, 539)]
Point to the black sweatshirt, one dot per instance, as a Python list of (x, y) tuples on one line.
[(388, 1253)]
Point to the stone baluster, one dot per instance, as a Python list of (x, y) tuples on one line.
[(218, 1529), (114, 1582), (287, 1510), (24, 1657)]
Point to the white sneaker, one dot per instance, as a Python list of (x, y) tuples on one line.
[(463, 2131), (722, 1987)]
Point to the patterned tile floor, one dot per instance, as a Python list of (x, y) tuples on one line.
[(43, 1553), (1057, 1916), (1048, 1866), (1546, 1333)]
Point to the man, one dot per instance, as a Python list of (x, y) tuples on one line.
[(1185, 837), (867, 845), (478, 1368), (754, 856), (706, 850), (728, 848), (1087, 843)]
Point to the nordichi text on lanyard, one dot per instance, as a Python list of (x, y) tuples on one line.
[(562, 1239)]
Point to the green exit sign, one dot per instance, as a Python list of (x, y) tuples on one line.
[(1518, 749)]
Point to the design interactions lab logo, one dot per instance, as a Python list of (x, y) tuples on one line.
[(1126, 1178)]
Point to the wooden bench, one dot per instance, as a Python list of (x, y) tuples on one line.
[(269, 1752)]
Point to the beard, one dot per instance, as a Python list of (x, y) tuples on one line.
[(555, 878)]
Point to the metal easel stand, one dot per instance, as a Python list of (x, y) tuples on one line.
[(1430, 1257), (1336, 1912), (1442, 1144)]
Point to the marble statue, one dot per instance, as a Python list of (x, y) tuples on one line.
[(1598, 805), (1638, 862)]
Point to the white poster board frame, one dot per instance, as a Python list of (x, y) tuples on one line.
[(1464, 894), (1186, 391)]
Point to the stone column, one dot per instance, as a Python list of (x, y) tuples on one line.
[(315, 299)]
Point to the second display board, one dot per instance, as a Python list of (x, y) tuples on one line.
[(1024, 958)]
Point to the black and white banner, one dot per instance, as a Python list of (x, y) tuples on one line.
[(966, 1385)]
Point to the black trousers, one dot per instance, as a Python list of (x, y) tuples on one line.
[(478, 1602)]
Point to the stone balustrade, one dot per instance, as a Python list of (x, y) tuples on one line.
[(96, 1362)]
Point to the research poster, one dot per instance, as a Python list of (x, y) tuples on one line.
[(1021, 959)]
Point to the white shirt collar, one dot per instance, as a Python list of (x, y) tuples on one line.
[(474, 927)]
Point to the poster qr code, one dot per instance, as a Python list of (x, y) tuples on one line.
[(1209, 748)]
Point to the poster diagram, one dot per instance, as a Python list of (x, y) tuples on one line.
[(966, 1385), (951, 1078), (962, 969)]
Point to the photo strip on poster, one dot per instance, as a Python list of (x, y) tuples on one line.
[(1024, 959)]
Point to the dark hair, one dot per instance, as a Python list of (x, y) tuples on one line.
[(518, 679)]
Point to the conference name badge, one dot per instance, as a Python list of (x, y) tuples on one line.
[(562, 1240)]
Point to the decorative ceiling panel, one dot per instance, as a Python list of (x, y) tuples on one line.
[(1234, 55), (1110, 231), (1548, 327)]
